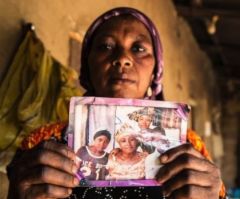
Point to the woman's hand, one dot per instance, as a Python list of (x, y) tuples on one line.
[(188, 174), (46, 171)]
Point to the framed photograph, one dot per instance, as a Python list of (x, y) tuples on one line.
[(118, 141)]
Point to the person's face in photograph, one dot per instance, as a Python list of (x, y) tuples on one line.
[(122, 53), (144, 121), (100, 143), (128, 143), (170, 120)]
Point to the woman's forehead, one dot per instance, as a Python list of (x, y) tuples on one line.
[(127, 136), (126, 25), (145, 116)]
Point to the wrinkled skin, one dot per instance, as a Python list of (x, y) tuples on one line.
[(188, 174), (121, 59), (46, 171), (121, 65)]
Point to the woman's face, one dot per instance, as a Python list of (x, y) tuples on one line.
[(100, 143), (144, 121), (121, 59), (128, 143)]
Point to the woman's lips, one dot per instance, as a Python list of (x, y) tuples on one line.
[(129, 148), (122, 79)]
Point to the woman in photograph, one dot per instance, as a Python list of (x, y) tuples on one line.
[(153, 137), (121, 58), (126, 162), (93, 158)]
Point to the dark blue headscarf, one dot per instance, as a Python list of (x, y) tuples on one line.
[(157, 48)]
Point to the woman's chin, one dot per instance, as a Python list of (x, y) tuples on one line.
[(126, 93), (128, 151)]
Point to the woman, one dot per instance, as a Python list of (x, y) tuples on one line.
[(93, 157), (143, 117), (151, 137), (127, 162), (121, 57)]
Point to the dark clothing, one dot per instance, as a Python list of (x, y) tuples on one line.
[(117, 192), (93, 167)]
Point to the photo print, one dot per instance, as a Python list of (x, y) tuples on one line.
[(118, 141)]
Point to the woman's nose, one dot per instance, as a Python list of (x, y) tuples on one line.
[(123, 60), (129, 143)]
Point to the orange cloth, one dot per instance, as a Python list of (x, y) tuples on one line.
[(199, 145), (43, 133), (55, 130)]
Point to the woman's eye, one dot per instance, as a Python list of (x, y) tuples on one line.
[(138, 49), (106, 47)]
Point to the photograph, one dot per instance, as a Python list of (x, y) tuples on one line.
[(122, 148)]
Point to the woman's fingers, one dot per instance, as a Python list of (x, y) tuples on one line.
[(180, 163), (49, 175), (56, 160), (193, 191), (186, 177), (187, 174), (59, 148), (53, 146), (171, 154), (47, 191), (57, 156), (48, 168)]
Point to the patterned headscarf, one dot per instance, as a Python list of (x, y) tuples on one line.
[(149, 111), (157, 48), (126, 130)]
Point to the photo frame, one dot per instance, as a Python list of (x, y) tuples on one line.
[(118, 141)]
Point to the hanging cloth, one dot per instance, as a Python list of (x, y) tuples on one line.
[(36, 90)]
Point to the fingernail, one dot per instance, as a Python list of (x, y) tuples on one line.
[(77, 161), (76, 181), (164, 158), (160, 182), (165, 194), (69, 191), (74, 169)]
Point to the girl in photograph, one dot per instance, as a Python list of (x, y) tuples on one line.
[(94, 158)]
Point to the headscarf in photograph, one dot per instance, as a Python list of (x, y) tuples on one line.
[(144, 111), (126, 130)]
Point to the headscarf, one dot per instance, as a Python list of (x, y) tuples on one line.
[(149, 111), (126, 130), (157, 48)]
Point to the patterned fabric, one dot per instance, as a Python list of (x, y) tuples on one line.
[(126, 130), (157, 47), (55, 130), (119, 171), (145, 111), (43, 133)]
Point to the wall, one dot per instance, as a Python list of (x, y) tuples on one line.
[(187, 69), (188, 76)]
